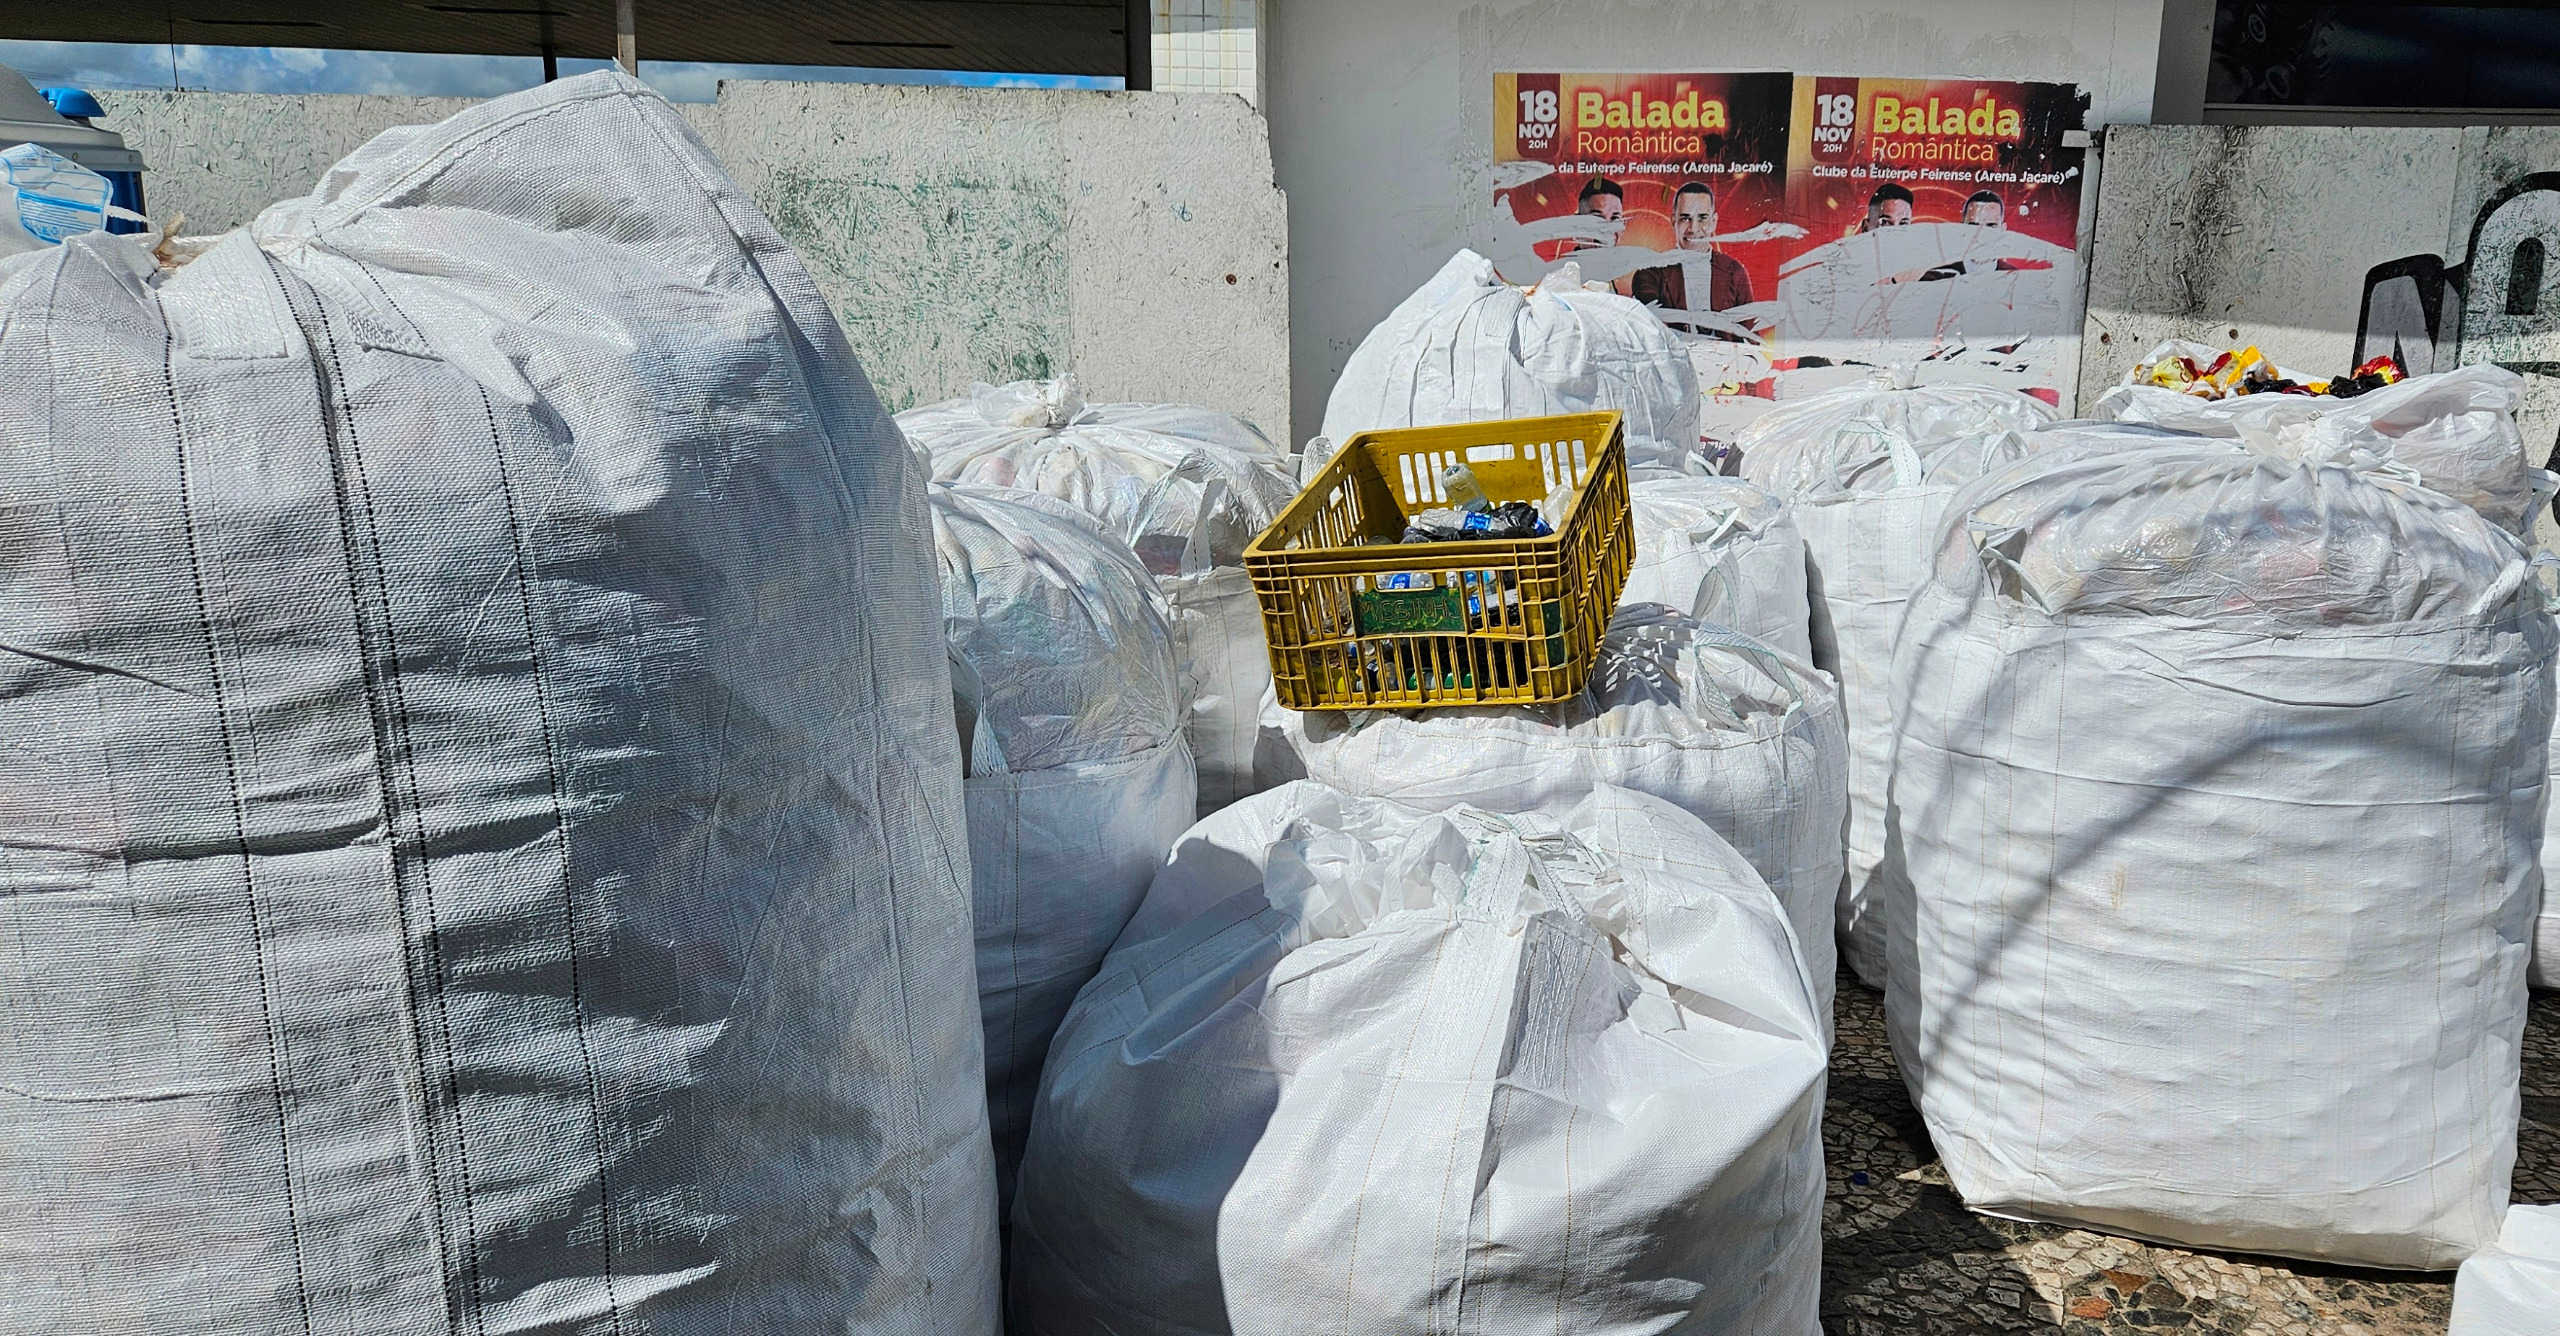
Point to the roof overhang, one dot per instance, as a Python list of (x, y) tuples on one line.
[(1011, 36)]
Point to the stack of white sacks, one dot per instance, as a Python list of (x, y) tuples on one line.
[(2242, 737), (1186, 488), (2181, 776), (2143, 673), (1869, 470), (1069, 702), (1614, 1120)]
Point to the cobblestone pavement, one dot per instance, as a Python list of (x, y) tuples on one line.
[(1901, 1255)]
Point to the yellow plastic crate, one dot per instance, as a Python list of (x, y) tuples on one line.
[(1356, 620)]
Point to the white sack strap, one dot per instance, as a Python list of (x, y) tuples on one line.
[(227, 306)]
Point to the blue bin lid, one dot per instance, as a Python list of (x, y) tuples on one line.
[(72, 102)]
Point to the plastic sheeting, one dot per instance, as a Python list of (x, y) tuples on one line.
[(1468, 347), (2455, 430), (1186, 488), (1359, 1069), (1070, 707), (1869, 469), (483, 812), (1719, 724), (1723, 551), (2512, 1288), (2217, 788)]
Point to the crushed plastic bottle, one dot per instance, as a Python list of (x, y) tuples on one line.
[(1559, 503), (1464, 492), (1510, 520)]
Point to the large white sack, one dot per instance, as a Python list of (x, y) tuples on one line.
[(2512, 1288), (1363, 1070), (1185, 487), (483, 808), (1720, 725), (2217, 788), (1468, 347), (2456, 430), (1869, 469), (1070, 708), (1721, 550)]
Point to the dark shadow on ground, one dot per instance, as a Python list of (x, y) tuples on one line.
[(1902, 1255)]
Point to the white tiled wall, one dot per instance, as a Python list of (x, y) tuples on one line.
[(1209, 44)]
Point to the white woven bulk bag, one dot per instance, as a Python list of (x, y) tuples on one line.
[(483, 812), (2513, 1287), (1070, 708), (1468, 347), (1721, 550), (1869, 469), (2217, 787), (1744, 738), (1185, 487), (1359, 1069)]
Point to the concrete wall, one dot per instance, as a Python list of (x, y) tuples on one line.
[(1135, 238), (961, 234), (2216, 233), (2300, 239), (1382, 114), (221, 157)]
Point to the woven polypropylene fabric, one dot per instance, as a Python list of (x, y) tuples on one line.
[(1468, 347), (1718, 724), (1723, 551), (1079, 781), (1870, 468), (482, 838), (1353, 1068), (2512, 1288), (2216, 786), (1185, 487)]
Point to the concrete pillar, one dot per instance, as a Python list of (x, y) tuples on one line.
[(1138, 39), (2186, 55)]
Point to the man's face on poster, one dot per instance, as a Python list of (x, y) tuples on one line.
[(1889, 213), (1693, 220), (1597, 204), (1984, 213)]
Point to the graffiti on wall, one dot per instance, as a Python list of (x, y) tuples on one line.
[(2496, 305)]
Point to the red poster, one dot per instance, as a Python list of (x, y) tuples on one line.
[(1660, 184), (1941, 216)]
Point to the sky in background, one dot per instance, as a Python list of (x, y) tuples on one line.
[(292, 69)]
